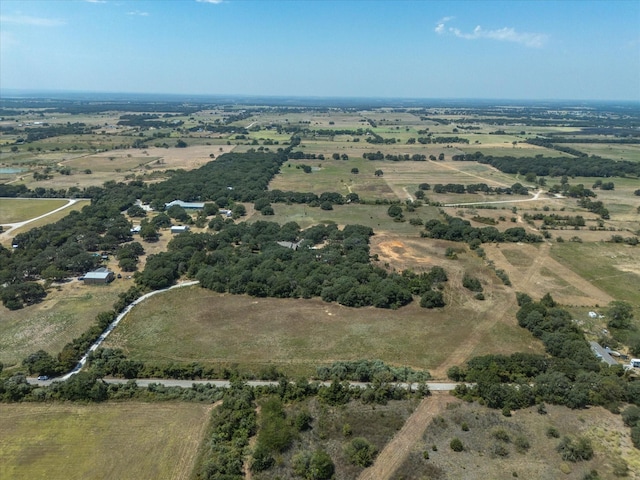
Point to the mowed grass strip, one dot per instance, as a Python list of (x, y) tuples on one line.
[(112, 441), (14, 210), (296, 335)]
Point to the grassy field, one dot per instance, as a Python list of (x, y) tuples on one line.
[(613, 268), (194, 324), (20, 209), (113, 441), (54, 217), (49, 325)]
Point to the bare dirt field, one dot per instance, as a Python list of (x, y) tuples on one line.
[(110, 441)]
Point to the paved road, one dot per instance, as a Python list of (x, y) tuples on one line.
[(144, 382)]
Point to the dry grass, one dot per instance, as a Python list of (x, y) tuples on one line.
[(197, 325), (609, 437), (108, 441), (49, 325)]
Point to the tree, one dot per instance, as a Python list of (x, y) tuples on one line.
[(136, 211), (378, 173), (355, 171), (441, 157), (395, 211), (432, 299), (620, 314), (181, 144)]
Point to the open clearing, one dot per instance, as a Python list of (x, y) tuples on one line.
[(296, 335), (112, 441)]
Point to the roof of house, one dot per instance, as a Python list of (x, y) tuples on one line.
[(182, 204)]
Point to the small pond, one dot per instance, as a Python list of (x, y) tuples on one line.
[(11, 170)]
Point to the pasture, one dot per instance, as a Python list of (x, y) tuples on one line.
[(111, 441), (295, 335), (64, 315)]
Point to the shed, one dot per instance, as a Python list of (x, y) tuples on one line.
[(101, 276), (179, 228)]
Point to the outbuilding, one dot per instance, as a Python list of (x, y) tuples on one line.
[(101, 276), (185, 205), (179, 229)]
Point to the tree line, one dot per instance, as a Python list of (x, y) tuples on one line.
[(555, 167)]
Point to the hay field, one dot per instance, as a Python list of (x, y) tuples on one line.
[(112, 441)]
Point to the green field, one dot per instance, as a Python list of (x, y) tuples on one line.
[(112, 441), (14, 210), (296, 335)]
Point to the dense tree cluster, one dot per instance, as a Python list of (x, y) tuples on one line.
[(569, 375), (459, 230), (246, 258), (558, 166), (238, 177), (370, 371), (515, 189)]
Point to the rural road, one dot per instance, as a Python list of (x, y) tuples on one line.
[(167, 382), (16, 225), (535, 197)]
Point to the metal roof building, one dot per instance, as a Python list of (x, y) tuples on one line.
[(101, 276)]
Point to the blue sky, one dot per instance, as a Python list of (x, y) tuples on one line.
[(542, 49)]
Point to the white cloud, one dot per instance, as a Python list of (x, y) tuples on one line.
[(138, 13), (506, 34), (33, 21), (209, 1)]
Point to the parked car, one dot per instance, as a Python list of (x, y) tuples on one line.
[(43, 377)]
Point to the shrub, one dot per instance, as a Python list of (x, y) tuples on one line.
[(456, 445), (574, 449), (522, 444), (498, 449), (360, 452), (501, 434), (631, 415), (471, 283), (552, 432), (432, 299)]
